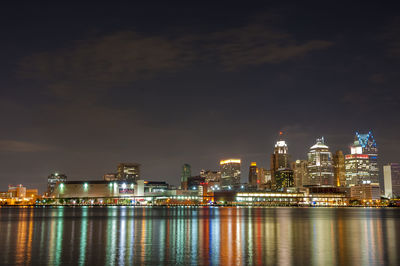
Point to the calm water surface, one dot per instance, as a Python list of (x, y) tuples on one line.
[(178, 235)]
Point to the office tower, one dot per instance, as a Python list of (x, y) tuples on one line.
[(284, 179), (362, 164), (339, 169), (185, 175), (357, 169), (53, 179), (320, 169), (391, 174), (128, 171), (280, 157), (299, 168), (253, 174), (369, 147), (230, 173)]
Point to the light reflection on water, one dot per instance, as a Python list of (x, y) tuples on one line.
[(218, 236)]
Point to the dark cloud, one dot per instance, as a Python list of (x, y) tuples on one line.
[(377, 78), (22, 146), (91, 66), (391, 37), (256, 44), (110, 60)]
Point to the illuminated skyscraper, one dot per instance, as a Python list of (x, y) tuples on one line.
[(280, 157), (362, 164), (391, 173), (299, 168), (369, 147), (253, 174), (339, 169), (185, 175), (230, 172), (128, 171), (53, 179), (320, 169)]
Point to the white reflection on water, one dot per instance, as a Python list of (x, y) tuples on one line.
[(217, 236)]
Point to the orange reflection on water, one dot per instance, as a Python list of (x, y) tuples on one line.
[(218, 236)]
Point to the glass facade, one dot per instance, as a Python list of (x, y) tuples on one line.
[(230, 172), (369, 147), (357, 169), (362, 164), (320, 168)]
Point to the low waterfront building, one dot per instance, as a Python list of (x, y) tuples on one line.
[(324, 198), (18, 195), (365, 192), (95, 189)]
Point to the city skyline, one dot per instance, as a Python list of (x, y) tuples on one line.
[(244, 168), (163, 85), (280, 147)]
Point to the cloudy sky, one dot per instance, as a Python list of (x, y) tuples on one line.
[(86, 86)]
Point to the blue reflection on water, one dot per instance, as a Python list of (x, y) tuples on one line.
[(217, 236)]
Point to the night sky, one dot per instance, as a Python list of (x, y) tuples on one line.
[(86, 86)]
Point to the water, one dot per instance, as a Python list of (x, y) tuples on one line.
[(179, 235)]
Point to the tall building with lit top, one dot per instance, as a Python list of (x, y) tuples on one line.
[(53, 179), (185, 175), (253, 174), (320, 168), (362, 164), (369, 147), (280, 157), (230, 172)]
